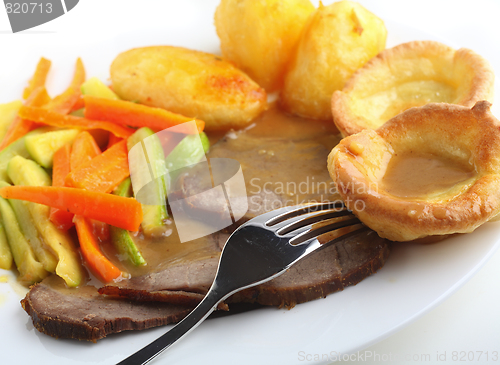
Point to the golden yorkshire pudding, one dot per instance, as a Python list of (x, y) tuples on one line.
[(431, 170), (411, 74)]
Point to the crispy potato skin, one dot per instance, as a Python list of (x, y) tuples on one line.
[(192, 83), (336, 41), (260, 35)]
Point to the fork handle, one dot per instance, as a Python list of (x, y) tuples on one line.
[(190, 322)]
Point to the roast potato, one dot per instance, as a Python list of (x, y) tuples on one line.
[(192, 83), (260, 35), (336, 41)]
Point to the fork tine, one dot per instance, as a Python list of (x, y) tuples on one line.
[(307, 219), (310, 208), (328, 238), (307, 227), (320, 228), (345, 232)]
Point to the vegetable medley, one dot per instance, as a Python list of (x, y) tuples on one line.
[(64, 168)]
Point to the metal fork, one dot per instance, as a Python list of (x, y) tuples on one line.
[(258, 251)]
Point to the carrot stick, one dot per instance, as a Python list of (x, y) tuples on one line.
[(21, 126), (104, 172), (92, 254), (80, 103), (61, 168), (64, 102), (62, 219), (39, 77), (113, 140), (48, 117), (135, 115), (118, 211), (62, 165), (84, 149)]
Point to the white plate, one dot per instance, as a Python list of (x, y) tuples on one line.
[(415, 279)]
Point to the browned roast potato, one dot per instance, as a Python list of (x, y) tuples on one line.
[(260, 35), (192, 83), (336, 41)]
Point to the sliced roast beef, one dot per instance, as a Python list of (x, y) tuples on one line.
[(361, 258), (184, 298), (325, 272), (343, 263), (83, 314), (194, 276)]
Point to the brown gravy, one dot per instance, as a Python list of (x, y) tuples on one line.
[(162, 251), (421, 175)]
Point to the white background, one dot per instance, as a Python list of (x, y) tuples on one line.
[(467, 321)]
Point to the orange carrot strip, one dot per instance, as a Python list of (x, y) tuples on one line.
[(20, 126), (115, 210), (135, 115), (104, 172), (95, 259), (84, 149), (62, 165), (61, 218), (48, 117), (113, 140), (78, 105), (39, 77), (64, 102)]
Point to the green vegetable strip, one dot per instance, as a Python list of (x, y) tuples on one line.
[(30, 270), (121, 238), (147, 169), (188, 152), (17, 148), (8, 113), (69, 267), (5, 253), (96, 87)]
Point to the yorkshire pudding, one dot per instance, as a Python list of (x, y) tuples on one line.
[(411, 74), (431, 170)]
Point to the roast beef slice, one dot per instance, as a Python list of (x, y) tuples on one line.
[(329, 270), (85, 315)]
